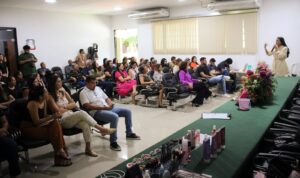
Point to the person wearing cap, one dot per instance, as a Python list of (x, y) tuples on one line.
[(27, 62)]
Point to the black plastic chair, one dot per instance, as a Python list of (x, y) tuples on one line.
[(172, 89)]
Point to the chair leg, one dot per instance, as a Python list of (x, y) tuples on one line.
[(1, 175), (26, 156), (146, 101)]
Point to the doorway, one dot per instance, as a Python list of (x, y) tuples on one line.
[(126, 43), (9, 47)]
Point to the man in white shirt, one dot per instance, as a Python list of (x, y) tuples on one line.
[(102, 109)]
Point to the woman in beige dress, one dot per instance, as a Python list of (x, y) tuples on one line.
[(280, 51)]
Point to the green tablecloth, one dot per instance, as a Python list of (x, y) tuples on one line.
[(243, 132)]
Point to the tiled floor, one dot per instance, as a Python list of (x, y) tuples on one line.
[(152, 124)]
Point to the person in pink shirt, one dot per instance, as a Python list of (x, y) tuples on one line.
[(125, 84)]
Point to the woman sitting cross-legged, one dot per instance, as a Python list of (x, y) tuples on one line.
[(193, 84), (124, 83), (39, 125), (80, 119)]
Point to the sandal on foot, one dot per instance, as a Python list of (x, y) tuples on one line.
[(63, 162), (91, 153)]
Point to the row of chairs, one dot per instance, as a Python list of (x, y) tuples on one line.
[(280, 153), (172, 90)]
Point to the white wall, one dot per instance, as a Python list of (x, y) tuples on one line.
[(276, 18), (59, 36), (280, 18)]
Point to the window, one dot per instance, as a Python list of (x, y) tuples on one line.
[(176, 36), (126, 43), (228, 34)]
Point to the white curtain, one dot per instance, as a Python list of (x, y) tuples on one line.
[(227, 34)]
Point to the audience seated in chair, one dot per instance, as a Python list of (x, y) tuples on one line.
[(224, 69), (212, 67), (101, 108), (108, 84), (42, 126), (145, 82), (203, 72), (125, 84), (5, 98), (165, 65), (42, 71), (8, 148), (133, 70), (77, 77), (68, 69), (176, 66), (193, 84), (65, 105), (125, 63), (11, 88), (194, 64)]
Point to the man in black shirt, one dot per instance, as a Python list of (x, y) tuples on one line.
[(224, 68), (203, 71)]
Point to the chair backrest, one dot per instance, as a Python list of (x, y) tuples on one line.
[(17, 112), (76, 98), (169, 80)]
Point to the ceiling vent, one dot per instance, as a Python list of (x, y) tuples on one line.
[(154, 13), (233, 5)]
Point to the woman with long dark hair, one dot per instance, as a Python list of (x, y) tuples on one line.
[(280, 52), (145, 81), (194, 64), (133, 70), (125, 84), (193, 84), (41, 125)]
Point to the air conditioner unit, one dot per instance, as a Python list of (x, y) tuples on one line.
[(234, 5), (150, 14)]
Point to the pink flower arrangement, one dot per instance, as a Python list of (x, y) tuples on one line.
[(258, 86)]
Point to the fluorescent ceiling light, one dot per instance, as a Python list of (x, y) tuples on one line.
[(50, 1), (117, 8), (181, 0)]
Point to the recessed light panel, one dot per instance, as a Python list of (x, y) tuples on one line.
[(50, 1)]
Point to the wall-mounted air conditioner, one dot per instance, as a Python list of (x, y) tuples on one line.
[(150, 14), (234, 5)]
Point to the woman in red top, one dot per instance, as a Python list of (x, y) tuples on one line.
[(124, 83), (194, 63)]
